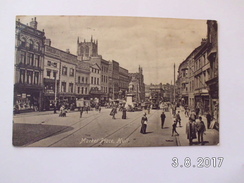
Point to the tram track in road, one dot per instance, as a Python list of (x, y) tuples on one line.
[(131, 122), (62, 130), (136, 129), (75, 130)]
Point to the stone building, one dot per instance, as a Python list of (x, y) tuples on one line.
[(213, 80), (123, 82), (51, 76), (139, 76), (29, 55), (82, 80), (113, 72), (88, 52), (201, 75)]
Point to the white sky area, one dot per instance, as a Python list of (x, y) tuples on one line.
[(153, 43)]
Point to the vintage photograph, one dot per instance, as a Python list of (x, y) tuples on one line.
[(104, 81)]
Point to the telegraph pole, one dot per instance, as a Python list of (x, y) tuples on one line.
[(174, 83), (55, 93)]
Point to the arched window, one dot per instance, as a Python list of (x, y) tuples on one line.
[(31, 44), (23, 42), (37, 46)]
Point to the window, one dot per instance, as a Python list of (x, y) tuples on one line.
[(82, 80), (102, 78), (85, 90), (78, 79), (22, 76), (91, 80), (31, 44), (78, 90), (23, 42), (64, 70), (22, 57), (48, 73), (98, 81), (28, 59), (86, 80), (71, 87), (95, 80), (63, 87), (72, 72), (31, 59), (82, 90), (29, 77), (37, 47), (37, 57), (49, 63), (54, 64), (55, 74), (36, 78)]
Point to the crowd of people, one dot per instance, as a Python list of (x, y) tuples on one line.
[(195, 127)]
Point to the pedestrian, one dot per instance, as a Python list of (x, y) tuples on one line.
[(61, 111), (193, 115), (87, 109), (124, 113), (191, 131), (113, 112), (209, 119), (174, 127), (81, 112), (163, 116), (200, 126), (178, 119), (197, 111), (186, 111), (148, 109), (99, 108), (144, 124)]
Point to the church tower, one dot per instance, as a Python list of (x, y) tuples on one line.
[(86, 50)]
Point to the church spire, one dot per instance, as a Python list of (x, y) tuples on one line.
[(78, 40)]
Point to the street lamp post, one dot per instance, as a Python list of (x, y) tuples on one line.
[(55, 93)]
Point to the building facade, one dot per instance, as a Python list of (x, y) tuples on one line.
[(123, 82), (113, 80), (213, 80), (139, 76), (82, 80), (51, 76), (201, 75), (29, 56)]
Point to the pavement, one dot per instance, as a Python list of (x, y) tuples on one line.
[(211, 137), (45, 129)]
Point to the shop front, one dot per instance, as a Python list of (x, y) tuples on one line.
[(27, 98)]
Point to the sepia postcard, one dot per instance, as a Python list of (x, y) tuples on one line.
[(103, 81)]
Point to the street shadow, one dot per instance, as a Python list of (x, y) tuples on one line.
[(24, 134), (165, 127), (148, 132)]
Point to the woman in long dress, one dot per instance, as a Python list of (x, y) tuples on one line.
[(124, 113), (191, 130), (144, 124)]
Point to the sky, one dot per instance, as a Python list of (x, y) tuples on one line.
[(153, 43)]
